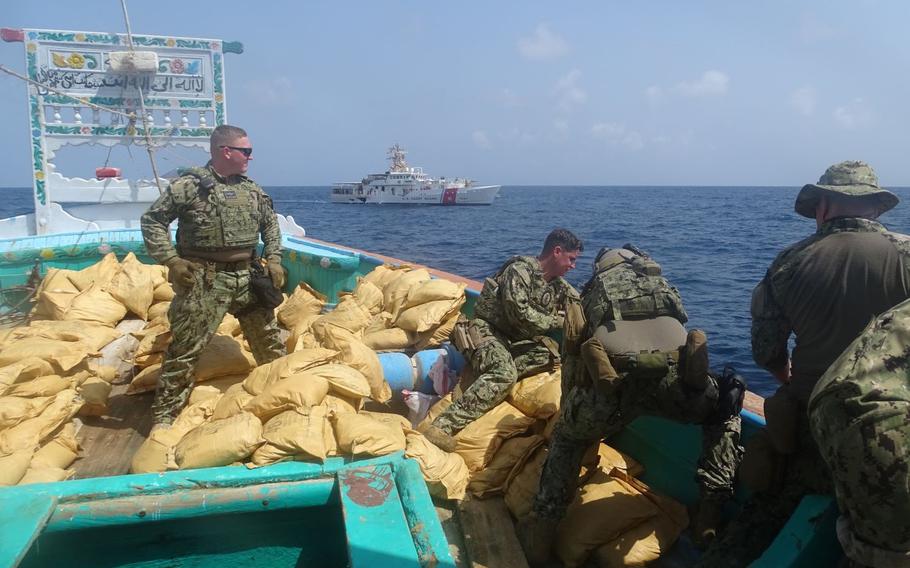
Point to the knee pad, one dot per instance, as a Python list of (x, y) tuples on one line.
[(731, 390)]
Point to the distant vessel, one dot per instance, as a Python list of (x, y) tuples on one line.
[(404, 184)]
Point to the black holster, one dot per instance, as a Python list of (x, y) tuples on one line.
[(267, 296)]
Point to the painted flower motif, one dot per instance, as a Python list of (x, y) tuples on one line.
[(104, 248), (31, 47), (85, 130), (171, 42), (177, 66), (216, 46), (79, 37), (47, 254), (292, 255), (219, 97), (76, 61), (9, 255), (39, 175)]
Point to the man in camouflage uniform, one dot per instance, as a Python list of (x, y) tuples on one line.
[(859, 413), (824, 289), (221, 214), (633, 357), (507, 339)]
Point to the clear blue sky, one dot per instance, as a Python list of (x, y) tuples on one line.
[(531, 92)]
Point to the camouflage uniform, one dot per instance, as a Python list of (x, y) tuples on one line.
[(591, 412), (859, 414), (824, 290), (515, 311), (230, 215)]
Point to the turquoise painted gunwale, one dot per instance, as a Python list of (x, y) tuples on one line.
[(668, 450), (149, 498)]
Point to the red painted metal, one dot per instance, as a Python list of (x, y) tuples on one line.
[(12, 34), (369, 487), (107, 172), (448, 195)]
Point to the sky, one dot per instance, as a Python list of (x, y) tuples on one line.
[(532, 92)]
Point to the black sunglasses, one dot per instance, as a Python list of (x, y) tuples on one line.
[(245, 151)]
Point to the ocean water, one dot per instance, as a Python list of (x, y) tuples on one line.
[(714, 243)]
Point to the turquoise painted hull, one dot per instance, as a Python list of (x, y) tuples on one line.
[(309, 518)]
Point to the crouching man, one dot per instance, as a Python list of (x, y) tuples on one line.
[(507, 339), (627, 354)]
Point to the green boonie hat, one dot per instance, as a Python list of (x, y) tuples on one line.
[(853, 180)]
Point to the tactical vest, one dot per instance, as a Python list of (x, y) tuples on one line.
[(624, 293), (219, 216), (489, 306)]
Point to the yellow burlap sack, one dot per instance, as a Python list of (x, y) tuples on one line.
[(537, 395), (54, 294), (481, 439), (28, 434), (297, 434), (163, 292), (60, 452), (145, 380), (48, 385), (220, 442), (363, 435), (509, 460), (151, 347), (23, 370), (388, 418), (157, 452), (229, 326), (331, 442), (395, 293), (433, 291), (231, 402), (603, 510), (430, 315), (343, 380), (158, 311), (522, 486), (643, 544), (203, 392), (96, 304), (348, 315), (438, 335), (92, 335), (302, 304), (356, 354), (99, 273), (393, 339), (263, 375), (53, 304), (62, 355), (13, 466), (384, 274), (301, 337), (380, 322), (609, 458), (226, 382), (223, 356), (341, 405), (15, 409), (302, 390), (132, 286), (46, 475), (369, 296), (445, 473)]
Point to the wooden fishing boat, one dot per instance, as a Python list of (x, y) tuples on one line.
[(373, 512)]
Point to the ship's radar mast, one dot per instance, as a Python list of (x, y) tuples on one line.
[(396, 156)]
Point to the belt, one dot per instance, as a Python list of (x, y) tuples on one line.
[(236, 266), (630, 361)]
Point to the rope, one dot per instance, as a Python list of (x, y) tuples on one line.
[(145, 116)]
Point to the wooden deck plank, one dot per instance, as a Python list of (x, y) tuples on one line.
[(109, 442), (489, 534)]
